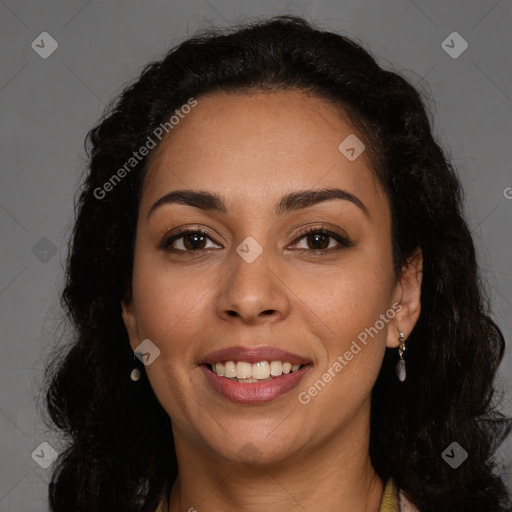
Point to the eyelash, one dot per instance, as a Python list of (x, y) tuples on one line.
[(343, 241)]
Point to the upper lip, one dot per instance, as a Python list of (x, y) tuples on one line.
[(253, 355)]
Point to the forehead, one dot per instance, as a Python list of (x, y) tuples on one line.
[(257, 146)]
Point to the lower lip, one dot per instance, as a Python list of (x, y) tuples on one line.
[(255, 392)]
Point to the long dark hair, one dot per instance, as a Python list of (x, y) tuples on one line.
[(120, 455)]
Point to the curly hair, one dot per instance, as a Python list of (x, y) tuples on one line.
[(120, 453)]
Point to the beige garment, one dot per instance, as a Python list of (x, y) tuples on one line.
[(405, 504), (392, 501)]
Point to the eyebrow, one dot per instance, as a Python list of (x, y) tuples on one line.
[(210, 201)]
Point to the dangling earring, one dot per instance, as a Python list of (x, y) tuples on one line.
[(135, 373), (400, 366)]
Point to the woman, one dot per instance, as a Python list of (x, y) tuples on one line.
[(268, 225)]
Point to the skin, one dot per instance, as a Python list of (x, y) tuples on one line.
[(283, 455)]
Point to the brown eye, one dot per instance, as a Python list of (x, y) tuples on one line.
[(194, 241), (317, 239), (187, 241)]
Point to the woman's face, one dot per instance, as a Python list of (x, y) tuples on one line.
[(253, 284)]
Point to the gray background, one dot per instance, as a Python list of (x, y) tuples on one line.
[(47, 106)]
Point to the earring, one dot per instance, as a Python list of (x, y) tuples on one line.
[(400, 366), (135, 373)]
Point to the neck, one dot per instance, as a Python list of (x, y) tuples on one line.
[(335, 476)]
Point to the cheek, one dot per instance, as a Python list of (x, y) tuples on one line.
[(168, 293), (351, 312), (353, 304), (353, 337), (352, 296), (170, 306)]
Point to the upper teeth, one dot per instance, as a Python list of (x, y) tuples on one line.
[(259, 371)]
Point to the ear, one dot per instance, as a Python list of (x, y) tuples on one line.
[(407, 294), (130, 322)]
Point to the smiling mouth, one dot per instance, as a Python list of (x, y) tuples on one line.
[(248, 373)]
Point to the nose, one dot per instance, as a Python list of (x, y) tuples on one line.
[(253, 293)]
